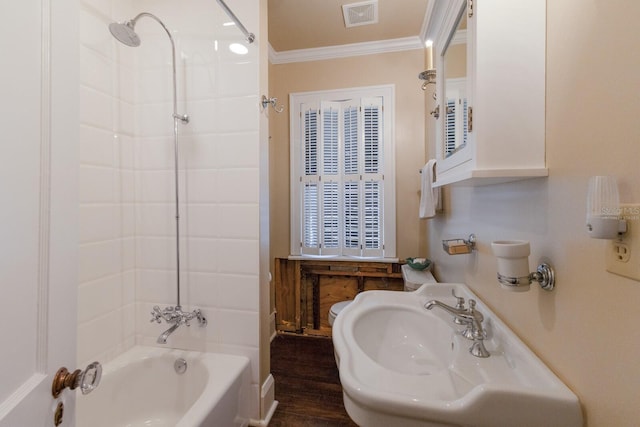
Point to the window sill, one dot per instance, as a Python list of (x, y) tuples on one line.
[(339, 258)]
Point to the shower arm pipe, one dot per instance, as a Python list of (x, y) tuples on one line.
[(184, 118), (250, 36)]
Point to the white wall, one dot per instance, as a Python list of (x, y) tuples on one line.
[(128, 234), (585, 330)]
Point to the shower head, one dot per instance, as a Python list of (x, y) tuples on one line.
[(125, 33)]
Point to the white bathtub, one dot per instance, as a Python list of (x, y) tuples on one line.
[(141, 388)]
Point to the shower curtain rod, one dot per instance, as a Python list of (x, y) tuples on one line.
[(250, 36)]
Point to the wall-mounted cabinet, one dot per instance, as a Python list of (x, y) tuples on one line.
[(490, 62)]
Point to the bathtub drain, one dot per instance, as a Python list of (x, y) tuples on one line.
[(180, 365)]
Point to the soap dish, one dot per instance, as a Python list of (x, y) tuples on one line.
[(419, 263), (459, 246)]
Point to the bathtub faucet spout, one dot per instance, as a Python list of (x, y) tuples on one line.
[(162, 339), (175, 317)]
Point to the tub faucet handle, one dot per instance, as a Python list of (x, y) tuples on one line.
[(156, 315)]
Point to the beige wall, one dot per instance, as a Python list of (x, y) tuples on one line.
[(587, 329), (400, 69)]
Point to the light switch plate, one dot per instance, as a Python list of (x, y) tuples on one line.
[(623, 254)]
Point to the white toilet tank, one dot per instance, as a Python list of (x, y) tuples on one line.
[(413, 278)]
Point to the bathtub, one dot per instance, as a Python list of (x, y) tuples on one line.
[(142, 388)]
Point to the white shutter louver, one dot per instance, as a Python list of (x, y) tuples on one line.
[(341, 178)]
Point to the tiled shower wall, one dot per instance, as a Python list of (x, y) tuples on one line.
[(106, 293), (128, 245)]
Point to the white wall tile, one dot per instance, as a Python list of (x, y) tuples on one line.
[(97, 185), (238, 292), (156, 119), (126, 83), (155, 84), (127, 186), (99, 297), (98, 223), (94, 33), (200, 151), (155, 186), (96, 70), (239, 150), (237, 186), (125, 118), (239, 221), (156, 285), (156, 253), (240, 327), (102, 6), (156, 219), (204, 221), (203, 290), (128, 253), (99, 335), (96, 108), (156, 153), (224, 115), (135, 178), (126, 148), (128, 220), (97, 260), (202, 255), (129, 287), (238, 256), (201, 186), (96, 146)]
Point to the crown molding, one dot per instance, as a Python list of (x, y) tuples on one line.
[(345, 51)]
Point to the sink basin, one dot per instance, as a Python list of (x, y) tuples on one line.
[(403, 365)]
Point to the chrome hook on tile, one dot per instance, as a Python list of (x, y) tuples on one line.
[(273, 101)]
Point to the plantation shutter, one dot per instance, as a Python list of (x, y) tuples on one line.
[(450, 127), (310, 180), (330, 178), (342, 181), (372, 178)]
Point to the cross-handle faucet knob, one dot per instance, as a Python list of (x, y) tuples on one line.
[(156, 315)]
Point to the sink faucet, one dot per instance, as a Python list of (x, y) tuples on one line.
[(176, 317), (466, 316)]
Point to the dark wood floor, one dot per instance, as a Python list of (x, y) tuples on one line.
[(307, 383)]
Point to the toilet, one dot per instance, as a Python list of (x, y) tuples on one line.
[(413, 279)]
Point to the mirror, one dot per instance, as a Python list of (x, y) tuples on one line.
[(455, 108)]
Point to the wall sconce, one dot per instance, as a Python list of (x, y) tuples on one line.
[(513, 267), (429, 77), (603, 208)]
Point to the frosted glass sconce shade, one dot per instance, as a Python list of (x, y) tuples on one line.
[(603, 208), (513, 267)]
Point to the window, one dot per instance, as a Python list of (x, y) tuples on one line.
[(455, 118), (342, 173)]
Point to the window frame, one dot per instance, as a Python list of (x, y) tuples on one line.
[(297, 102)]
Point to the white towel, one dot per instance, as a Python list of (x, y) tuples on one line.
[(429, 195)]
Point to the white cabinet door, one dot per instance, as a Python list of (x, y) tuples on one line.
[(38, 208)]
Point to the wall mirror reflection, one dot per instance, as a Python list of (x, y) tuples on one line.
[(454, 60)]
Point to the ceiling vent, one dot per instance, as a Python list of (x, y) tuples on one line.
[(361, 13)]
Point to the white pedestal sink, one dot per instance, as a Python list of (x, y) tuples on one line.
[(403, 366)]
